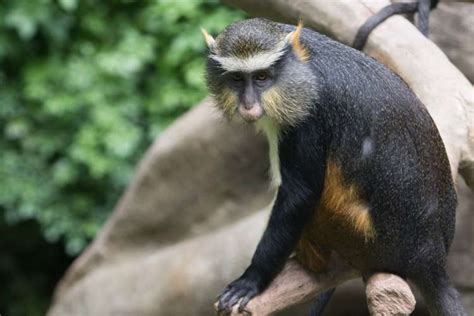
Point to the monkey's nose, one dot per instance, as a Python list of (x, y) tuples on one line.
[(250, 106), (252, 112)]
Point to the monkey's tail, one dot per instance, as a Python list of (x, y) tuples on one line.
[(382, 15), (423, 8), (321, 302)]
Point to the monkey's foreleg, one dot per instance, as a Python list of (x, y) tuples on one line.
[(294, 207), (289, 215)]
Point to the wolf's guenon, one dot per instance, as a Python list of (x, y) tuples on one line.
[(360, 166), (422, 7)]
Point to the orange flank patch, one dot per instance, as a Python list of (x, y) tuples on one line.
[(343, 203)]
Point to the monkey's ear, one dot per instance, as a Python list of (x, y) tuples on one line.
[(294, 40), (210, 41)]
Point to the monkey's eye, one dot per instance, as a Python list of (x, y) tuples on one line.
[(261, 76), (237, 77)]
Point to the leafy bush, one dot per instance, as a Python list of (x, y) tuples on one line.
[(85, 86)]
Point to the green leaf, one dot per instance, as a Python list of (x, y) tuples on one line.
[(85, 87)]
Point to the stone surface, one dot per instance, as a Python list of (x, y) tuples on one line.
[(183, 279), (452, 29), (199, 175)]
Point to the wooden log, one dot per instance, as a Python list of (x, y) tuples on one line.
[(295, 285)]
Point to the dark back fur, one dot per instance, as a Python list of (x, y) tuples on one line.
[(388, 145)]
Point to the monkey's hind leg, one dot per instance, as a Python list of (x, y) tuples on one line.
[(439, 294), (314, 257)]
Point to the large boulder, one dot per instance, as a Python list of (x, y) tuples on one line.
[(201, 174), (452, 29)]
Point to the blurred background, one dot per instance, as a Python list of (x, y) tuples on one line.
[(86, 87)]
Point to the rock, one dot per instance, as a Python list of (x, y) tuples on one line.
[(182, 279), (452, 29), (200, 174)]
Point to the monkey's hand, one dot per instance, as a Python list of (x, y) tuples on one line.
[(243, 289)]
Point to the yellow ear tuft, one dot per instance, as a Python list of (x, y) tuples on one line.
[(301, 52), (210, 41)]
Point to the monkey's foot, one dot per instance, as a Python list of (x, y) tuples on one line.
[(242, 289)]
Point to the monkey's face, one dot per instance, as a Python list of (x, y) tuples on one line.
[(246, 89), (255, 69)]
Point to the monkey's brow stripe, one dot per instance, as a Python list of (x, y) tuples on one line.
[(258, 61), (249, 64)]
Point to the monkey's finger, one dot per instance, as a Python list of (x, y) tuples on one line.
[(220, 301), (223, 301), (218, 298), (224, 293), (236, 297), (226, 290), (245, 301)]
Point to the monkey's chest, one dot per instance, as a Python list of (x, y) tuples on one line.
[(341, 223)]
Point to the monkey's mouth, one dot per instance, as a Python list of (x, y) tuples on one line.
[(251, 114)]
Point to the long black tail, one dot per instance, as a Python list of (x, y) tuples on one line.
[(423, 8), (321, 302)]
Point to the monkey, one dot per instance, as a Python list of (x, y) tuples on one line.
[(360, 168), (423, 8)]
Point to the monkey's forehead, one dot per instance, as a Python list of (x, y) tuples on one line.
[(249, 37)]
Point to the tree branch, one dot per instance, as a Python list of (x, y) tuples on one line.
[(296, 285), (387, 294)]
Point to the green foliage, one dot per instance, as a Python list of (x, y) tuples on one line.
[(85, 86)]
